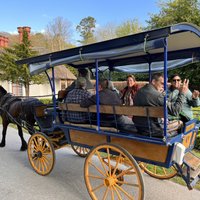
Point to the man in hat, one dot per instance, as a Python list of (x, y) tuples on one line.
[(76, 95), (81, 73)]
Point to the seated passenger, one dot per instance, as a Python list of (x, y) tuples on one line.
[(76, 96), (112, 87), (191, 98), (128, 93), (109, 97), (152, 94), (81, 73)]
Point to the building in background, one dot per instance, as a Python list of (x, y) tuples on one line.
[(63, 76)]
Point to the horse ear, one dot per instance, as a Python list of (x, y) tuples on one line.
[(2, 90)]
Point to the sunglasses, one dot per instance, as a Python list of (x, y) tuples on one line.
[(176, 80)]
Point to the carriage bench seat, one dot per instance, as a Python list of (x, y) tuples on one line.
[(157, 112), (92, 126)]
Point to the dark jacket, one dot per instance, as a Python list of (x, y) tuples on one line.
[(149, 96), (106, 97)]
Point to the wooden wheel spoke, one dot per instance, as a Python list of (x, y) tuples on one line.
[(98, 187), (123, 191), (155, 167), (39, 164), (102, 162), (108, 154), (117, 192), (165, 172), (41, 153), (117, 163), (106, 193), (97, 169), (126, 183), (35, 143), (34, 158), (114, 184), (96, 177), (124, 172), (112, 193), (46, 153), (44, 163), (48, 160), (44, 145)]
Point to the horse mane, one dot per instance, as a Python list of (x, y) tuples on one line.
[(2, 90)]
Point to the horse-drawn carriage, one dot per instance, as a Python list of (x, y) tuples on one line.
[(111, 168)]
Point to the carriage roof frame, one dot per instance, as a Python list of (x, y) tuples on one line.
[(129, 53)]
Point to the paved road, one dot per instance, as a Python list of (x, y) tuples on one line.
[(18, 181)]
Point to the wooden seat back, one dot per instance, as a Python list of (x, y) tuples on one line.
[(145, 111)]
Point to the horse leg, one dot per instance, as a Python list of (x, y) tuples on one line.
[(3, 140), (24, 144)]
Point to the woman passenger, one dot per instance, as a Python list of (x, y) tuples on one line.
[(128, 93)]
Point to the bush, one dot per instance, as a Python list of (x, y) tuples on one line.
[(46, 100), (197, 143)]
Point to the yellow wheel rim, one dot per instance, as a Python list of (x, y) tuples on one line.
[(108, 178), (41, 154), (158, 171), (81, 151)]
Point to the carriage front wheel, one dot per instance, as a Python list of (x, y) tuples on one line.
[(41, 153), (110, 172)]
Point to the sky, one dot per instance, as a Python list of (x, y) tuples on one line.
[(38, 13)]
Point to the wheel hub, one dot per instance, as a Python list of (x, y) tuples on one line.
[(110, 181), (39, 154)]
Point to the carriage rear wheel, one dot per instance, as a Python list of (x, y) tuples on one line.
[(41, 153), (107, 176), (81, 151), (158, 171)]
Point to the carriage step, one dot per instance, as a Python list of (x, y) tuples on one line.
[(192, 160), (195, 173)]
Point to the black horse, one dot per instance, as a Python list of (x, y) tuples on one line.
[(17, 111)]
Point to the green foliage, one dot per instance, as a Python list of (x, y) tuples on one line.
[(128, 27), (173, 12), (197, 142), (121, 76), (46, 100), (86, 28), (73, 70), (176, 11), (15, 73), (190, 72)]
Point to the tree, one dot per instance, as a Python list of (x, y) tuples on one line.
[(14, 73), (58, 34), (86, 28), (173, 12), (105, 32), (128, 27)]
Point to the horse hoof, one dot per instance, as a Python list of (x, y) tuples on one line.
[(23, 148), (2, 145)]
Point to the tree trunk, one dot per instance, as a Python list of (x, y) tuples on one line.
[(27, 90)]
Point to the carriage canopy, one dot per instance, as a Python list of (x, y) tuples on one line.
[(132, 53)]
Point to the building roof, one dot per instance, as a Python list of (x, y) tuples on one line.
[(61, 72)]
